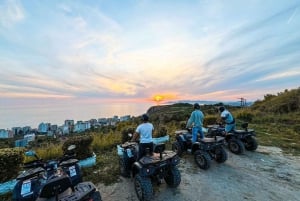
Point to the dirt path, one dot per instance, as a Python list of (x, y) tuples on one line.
[(261, 176)]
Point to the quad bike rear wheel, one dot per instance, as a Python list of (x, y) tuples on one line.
[(123, 165), (176, 147), (220, 155), (250, 143), (143, 188), (173, 177), (202, 159), (236, 146)]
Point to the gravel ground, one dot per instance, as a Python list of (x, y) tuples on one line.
[(263, 175)]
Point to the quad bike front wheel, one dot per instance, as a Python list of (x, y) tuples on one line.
[(173, 177), (236, 146), (250, 143), (202, 159), (143, 188), (176, 147), (220, 155)]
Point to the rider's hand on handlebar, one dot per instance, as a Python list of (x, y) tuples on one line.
[(189, 129)]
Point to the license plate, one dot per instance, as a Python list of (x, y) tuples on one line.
[(72, 171), (26, 188)]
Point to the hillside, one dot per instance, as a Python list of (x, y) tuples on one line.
[(276, 118), (283, 102)]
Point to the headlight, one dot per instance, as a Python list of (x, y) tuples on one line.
[(175, 160)]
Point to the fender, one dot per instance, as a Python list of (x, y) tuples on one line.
[(180, 138), (229, 136), (136, 167), (196, 146), (250, 134)]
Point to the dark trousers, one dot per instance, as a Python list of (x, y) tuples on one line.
[(143, 149)]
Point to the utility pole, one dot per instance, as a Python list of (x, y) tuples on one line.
[(242, 101)]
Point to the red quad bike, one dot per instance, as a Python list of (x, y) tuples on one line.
[(152, 168), (237, 140), (204, 150)]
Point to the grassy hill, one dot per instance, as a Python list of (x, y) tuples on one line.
[(276, 118)]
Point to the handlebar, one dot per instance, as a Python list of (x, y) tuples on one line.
[(34, 164)]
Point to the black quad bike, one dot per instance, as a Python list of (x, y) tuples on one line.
[(53, 180), (237, 140), (204, 150), (152, 168)]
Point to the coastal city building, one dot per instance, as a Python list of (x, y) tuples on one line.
[(26, 134)]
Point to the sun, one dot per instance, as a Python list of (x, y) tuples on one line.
[(158, 98)]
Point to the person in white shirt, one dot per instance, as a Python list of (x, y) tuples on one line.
[(227, 118), (144, 131)]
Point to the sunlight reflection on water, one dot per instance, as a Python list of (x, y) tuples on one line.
[(32, 115)]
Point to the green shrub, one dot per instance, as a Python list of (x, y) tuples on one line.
[(83, 145), (47, 153), (162, 131), (209, 120), (125, 134), (245, 116), (105, 142), (10, 161)]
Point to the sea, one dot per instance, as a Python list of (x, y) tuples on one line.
[(33, 114), (21, 113)]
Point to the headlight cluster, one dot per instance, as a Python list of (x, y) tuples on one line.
[(175, 160), (148, 170)]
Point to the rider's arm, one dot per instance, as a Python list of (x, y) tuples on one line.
[(190, 121), (135, 136)]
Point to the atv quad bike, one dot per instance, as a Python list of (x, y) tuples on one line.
[(237, 140), (54, 180), (204, 150), (152, 168)]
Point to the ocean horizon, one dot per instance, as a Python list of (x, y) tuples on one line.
[(34, 114)]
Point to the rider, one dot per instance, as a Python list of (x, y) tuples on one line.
[(196, 120), (144, 131), (227, 117)]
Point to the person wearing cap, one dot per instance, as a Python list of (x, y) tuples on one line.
[(144, 131), (196, 122), (227, 118)]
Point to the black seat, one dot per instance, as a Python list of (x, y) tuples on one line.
[(188, 136), (56, 186), (158, 148)]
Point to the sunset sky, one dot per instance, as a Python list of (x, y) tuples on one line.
[(128, 50)]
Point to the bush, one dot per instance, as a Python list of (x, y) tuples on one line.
[(83, 146), (125, 132), (162, 131), (10, 163), (209, 120), (49, 152), (245, 116), (105, 142)]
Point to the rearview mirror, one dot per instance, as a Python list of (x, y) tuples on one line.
[(30, 153), (71, 147)]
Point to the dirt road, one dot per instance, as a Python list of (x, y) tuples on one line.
[(263, 175)]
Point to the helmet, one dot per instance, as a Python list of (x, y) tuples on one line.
[(145, 117), (196, 106), (221, 109)]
